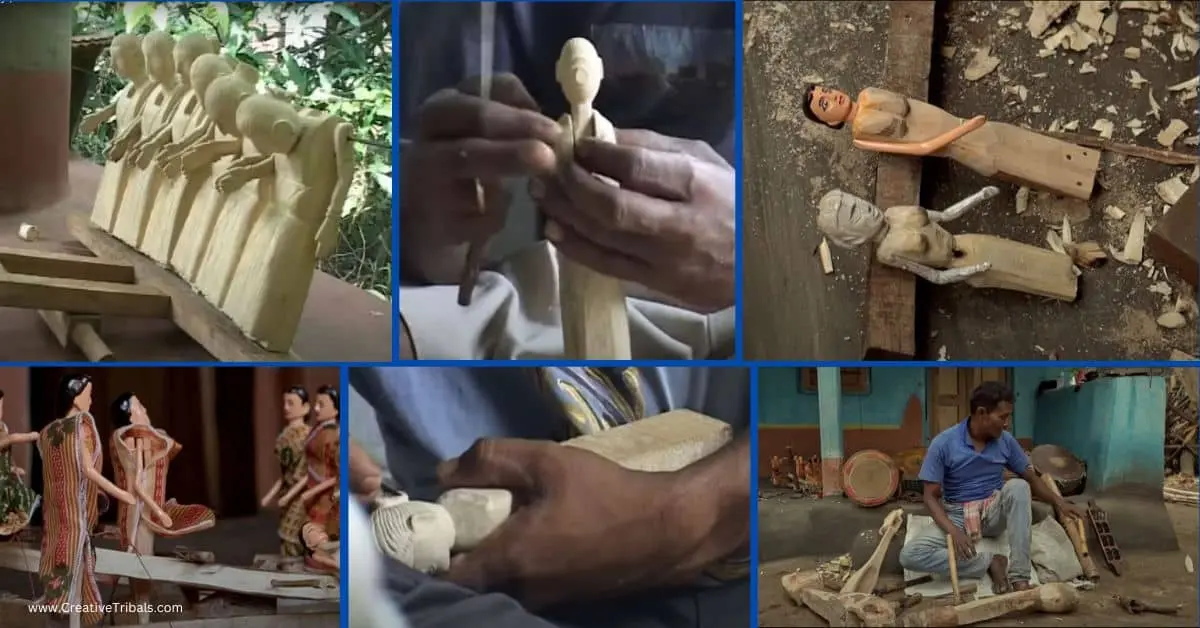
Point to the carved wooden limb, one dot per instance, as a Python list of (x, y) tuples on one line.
[(865, 579), (1075, 531), (1057, 598)]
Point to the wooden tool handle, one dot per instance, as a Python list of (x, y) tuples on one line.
[(951, 553)]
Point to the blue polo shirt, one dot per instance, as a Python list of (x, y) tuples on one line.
[(967, 475)]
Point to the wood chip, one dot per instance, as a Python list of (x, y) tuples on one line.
[(948, 51), (1136, 79), (1161, 287), (1172, 320), (1067, 238), (1133, 53), (1044, 14), (1185, 18), (1171, 190), (1087, 68), (1136, 241), (826, 257), (1073, 125), (1174, 130), (1111, 109), (1110, 24), (1138, 5), (982, 64), (1091, 13), (1155, 110), (1103, 127), (1022, 200), (1192, 84), (1112, 212)]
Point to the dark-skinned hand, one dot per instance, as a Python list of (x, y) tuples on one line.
[(1069, 509), (668, 226), (462, 138), (582, 527), (962, 545)]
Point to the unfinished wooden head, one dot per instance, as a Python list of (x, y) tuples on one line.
[(159, 49), (222, 98), (246, 72), (295, 403), (579, 71), (189, 48), (204, 70), (273, 125), (74, 394), (847, 220), (126, 410), (127, 58), (827, 105)]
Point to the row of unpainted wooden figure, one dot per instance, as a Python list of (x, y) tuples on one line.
[(236, 191)]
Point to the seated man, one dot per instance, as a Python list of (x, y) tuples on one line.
[(967, 496)]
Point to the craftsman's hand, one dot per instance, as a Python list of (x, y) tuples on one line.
[(669, 226), (963, 546), (366, 479), (462, 138), (1067, 509), (582, 527)]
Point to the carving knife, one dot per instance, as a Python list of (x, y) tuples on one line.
[(487, 51)]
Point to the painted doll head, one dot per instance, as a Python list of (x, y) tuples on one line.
[(74, 394), (847, 220), (295, 403), (326, 406), (827, 105), (127, 409)]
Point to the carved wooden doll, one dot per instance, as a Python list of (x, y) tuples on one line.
[(322, 452), (308, 165), (17, 500), (594, 320), (72, 457), (888, 122), (125, 109), (289, 450), (913, 239)]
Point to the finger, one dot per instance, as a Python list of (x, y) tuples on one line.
[(657, 173), (509, 463), (451, 114), (619, 210), (506, 88), (366, 478), (656, 141), (582, 251), (484, 158), (557, 205), (495, 566)]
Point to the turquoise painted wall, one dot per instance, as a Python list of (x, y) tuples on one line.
[(1114, 424), (1024, 382), (781, 403)]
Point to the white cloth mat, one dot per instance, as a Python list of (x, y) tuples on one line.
[(922, 524)]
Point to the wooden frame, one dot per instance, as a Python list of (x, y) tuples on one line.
[(855, 380)]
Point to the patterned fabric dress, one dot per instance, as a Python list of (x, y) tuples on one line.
[(158, 451), (289, 450), (17, 500), (323, 452), (68, 565)]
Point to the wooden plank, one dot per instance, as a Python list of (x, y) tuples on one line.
[(192, 313), (891, 292), (80, 296), (64, 266), (1173, 241), (207, 577)]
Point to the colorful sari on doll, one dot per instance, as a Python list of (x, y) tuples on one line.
[(17, 500), (323, 452), (156, 450), (289, 450), (69, 512)]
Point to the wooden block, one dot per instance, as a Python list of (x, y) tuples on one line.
[(207, 325), (891, 292), (65, 266), (32, 292), (1173, 241), (79, 331)]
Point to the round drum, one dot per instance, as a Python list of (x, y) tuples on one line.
[(870, 478), (1067, 471)]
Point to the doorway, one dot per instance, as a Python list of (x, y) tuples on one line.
[(949, 396)]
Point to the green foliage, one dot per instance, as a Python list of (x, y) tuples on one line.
[(335, 58)]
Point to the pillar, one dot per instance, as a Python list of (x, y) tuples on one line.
[(35, 80), (829, 400)]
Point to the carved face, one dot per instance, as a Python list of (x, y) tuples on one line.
[(324, 408), (160, 62), (127, 58), (579, 71), (294, 407), (832, 106), (314, 536), (83, 401), (848, 221)]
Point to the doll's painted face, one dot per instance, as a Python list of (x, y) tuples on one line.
[(832, 106), (324, 408), (137, 412), (294, 407), (83, 401)]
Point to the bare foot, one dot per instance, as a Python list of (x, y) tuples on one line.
[(998, 572), (1021, 585)]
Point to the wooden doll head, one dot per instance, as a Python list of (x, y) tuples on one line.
[(827, 105), (579, 71), (206, 69), (273, 125), (159, 49), (847, 220), (190, 47), (246, 72), (326, 406), (221, 101), (127, 58), (74, 394), (295, 403), (127, 409)]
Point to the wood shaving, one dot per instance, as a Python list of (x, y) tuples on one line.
[(1174, 130), (1195, 176), (1136, 79), (1155, 110), (948, 51), (1022, 200), (1161, 287), (1192, 141), (1087, 68), (1111, 109), (1091, 13), (1040, 75), (1045, 52), (1192, 84), (1134, 124), (1185, 18), (982, 64), (1151, 30), (1044, 14), (1172, 320), (1112, 212), (1185, 46), (1073, 125), (1103, 127), (1171, 190), (1110, 24), (826, 257), (1133, 53), (1138, 5)]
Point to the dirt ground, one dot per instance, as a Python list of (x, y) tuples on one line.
[(793, 311), (1159, 577)]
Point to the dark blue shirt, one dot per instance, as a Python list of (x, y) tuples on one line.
[(668, 67), (967, 475)]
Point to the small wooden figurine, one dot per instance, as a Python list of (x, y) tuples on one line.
[(322, 451), (289, 450), (888, 122), (305, 172), (17, 500), (418, 534), (913, 239), (72, 457), (141, 457), (125, 109), (594, 320)]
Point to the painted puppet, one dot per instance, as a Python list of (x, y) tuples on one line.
[(17, 500), (289, 450)]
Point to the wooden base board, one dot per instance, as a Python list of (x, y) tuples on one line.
[(304, 586), (192, 313), (891, 293), (1173, 242)]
